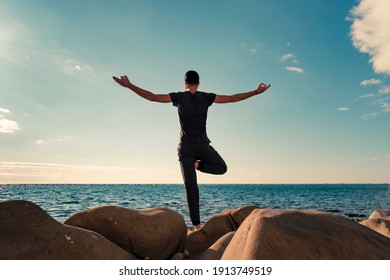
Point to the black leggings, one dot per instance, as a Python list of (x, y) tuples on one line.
[(210, 162)]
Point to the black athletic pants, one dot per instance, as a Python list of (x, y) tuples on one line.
[(210, 162)]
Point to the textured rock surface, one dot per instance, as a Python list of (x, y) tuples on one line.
[(157, 233), (28, 232), (293, 234), (379, 221), (216, 227), (380, 214), (216, 250), (247, 233)]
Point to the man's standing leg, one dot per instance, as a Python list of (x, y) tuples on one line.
[(191, 186)]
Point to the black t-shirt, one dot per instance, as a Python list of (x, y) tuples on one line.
[(192, 109)]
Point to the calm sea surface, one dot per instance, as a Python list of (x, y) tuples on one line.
[(60, 201)]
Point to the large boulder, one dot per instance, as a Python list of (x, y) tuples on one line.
[(157, 233), (216, 227), (379, 221), (28, 232), (304, 235)]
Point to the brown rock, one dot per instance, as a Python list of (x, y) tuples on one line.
[(379, 221), (379, 225), (380, 214), (28, 232), (216, 227), (216, 251), (157, 233), (293, 234)]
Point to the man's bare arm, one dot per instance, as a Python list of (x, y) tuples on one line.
[(162, 98), (241, 96)]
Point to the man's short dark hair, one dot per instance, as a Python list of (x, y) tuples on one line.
[(192, 77)]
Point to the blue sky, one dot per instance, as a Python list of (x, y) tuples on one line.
[(325, 118)]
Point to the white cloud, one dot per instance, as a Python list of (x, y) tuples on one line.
[(370, 115), (70, 66), (294, 69), (40, 142), (54, 140), (385, 107), (343, 109), (368, 95), (4, 111), (367, 159), (370, 32), (379, 100), (251, 49), (384, 90), (7, 126), (288, 57), (370, 82), (384, 104)]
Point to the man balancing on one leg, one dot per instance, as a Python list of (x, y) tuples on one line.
[(194, 148)]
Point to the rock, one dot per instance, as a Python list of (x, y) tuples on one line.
[(216, 251), (379, 225), (333, 211), (379, 221), (28, 232), (216, 227), (304, 235), (380, 214), (157, 233), (177, 257), (354, 215)]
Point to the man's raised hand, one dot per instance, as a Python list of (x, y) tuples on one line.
[(262, 87), (123, 81)]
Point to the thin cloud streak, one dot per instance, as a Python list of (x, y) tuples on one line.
[(295, 69)]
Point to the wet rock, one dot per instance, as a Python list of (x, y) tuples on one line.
[(354, 215)]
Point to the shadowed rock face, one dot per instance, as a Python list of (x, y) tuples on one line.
[(157, 233), (216, 250), (293, 234), (28, 232)]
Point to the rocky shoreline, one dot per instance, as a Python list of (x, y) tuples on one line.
[(248, 233)]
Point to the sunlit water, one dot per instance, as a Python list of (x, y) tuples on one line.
[(60, 201)]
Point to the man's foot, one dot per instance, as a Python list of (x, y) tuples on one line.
[(197, 164), (197, 227)]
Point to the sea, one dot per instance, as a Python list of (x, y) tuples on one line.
[(353, 201)]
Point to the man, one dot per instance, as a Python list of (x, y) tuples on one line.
[(194, 151)]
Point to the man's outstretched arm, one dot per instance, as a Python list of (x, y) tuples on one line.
[(162, 98), (241, 96)]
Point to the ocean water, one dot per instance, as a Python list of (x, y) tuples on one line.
[(356, 201)]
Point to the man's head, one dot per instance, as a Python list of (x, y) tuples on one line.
[(191, 77)]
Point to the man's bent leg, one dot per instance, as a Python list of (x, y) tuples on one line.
[(191, 186), (211, 162)]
